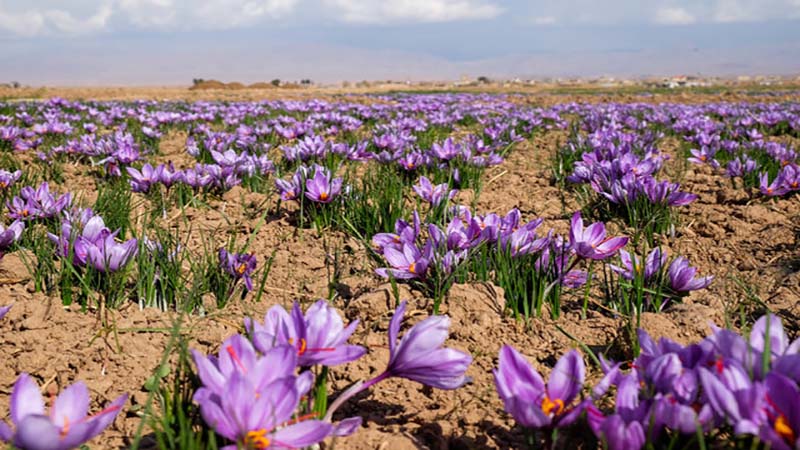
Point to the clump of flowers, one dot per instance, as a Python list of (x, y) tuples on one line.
[(672, 393), (37, 203), (256, 394)]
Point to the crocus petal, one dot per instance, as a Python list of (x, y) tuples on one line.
[(302, 434), (36, 432), (26, 399), (71, 405), (566, 379)]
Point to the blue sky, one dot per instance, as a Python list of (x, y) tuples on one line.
[(145, 42)]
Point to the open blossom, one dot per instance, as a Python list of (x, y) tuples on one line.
[(251, 399), (323, 188), (591, 242), (67, 424), (8, 178), (407, 263), (631, 264), (526, 397), (319, 336), (433, 194), (239, 266)]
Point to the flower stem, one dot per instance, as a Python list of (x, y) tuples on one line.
[(352, 391)]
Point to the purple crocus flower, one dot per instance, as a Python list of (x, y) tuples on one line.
[(591, 242), (322, 188), (433, 194), (108, 255), (290, 190), (8, 178), (419, 355), (319, 337), (407, 263), (66, 426), (238, 356), (682, 277), (260, 418), (631, 264), (782, 430), (238, 265), (10, 235), (526, 397), (141, 180)]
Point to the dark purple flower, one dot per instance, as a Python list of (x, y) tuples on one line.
[(238, 265), (591, 242), (682, 277)]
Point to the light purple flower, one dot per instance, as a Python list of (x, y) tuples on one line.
[(419, 355), (319, 336), (66, 426)]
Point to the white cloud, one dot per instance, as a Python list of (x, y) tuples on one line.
[(404, 11), (674, 16), (27, 23), (33, 22), (149, 13)]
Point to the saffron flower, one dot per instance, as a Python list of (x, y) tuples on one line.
[(141, 180), (108, 255), (433, 194), (591, 242), (682, 277), (419, 355), (322, 188), (407, 263), (526, 397), (10, 235), (66, 426), (631, 265), (260, 418), (319, 336), (238, 265), (782, 429)]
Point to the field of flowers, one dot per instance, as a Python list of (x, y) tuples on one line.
[(400, 271)]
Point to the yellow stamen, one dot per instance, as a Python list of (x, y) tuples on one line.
[(412, 267), (323, 196), (783, 429), (552, 407), (241, 269), (256, 440)]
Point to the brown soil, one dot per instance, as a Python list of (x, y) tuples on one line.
[(750, 245)]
